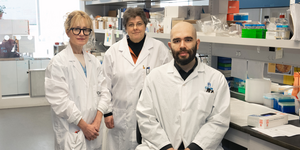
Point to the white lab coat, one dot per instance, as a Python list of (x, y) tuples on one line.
[(125, 80), (171, 110), (73, 96)]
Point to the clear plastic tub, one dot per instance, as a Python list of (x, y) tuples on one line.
[(269, 99)]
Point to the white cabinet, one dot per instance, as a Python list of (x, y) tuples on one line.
[(14, 76), (38, 64), (9, 82), (35, 64), (22, 77)]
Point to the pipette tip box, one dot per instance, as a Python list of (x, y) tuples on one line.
[(267, 120)]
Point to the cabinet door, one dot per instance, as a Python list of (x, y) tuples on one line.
[(23, 82), (35, 64), (45, 63), (9, 83)]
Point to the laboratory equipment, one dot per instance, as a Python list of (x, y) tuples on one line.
[(267, 120), (255, 89)]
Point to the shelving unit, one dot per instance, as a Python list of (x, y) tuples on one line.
[(243, 48)]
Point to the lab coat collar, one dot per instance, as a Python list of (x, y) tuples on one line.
[(148, 45), (200, 67), (76, 63)]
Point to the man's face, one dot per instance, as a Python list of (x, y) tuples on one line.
[(184, 56), (183, 43)]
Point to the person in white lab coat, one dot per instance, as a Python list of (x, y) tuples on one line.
[(185, 103), (125, 66), (76, 90)]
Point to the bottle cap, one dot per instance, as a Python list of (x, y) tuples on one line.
[(266, 17)]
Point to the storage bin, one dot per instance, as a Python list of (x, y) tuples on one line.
[(254, 33), (241, 89), (224, 64), (287, 107)]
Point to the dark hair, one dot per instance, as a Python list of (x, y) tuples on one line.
[(132, 13)]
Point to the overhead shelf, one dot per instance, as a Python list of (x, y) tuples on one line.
[(103, 31), (239, 41), (230, 40), (116, 2)]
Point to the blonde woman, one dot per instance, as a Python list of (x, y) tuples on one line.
[(74, 88)]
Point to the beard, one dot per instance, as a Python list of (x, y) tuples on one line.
[(184, 61)]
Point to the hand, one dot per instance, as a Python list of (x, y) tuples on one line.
[(97, 121), (109, 122), (187, 149), (88, 130), (170, 149), (96, 124)]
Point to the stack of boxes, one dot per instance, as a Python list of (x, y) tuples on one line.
[(224, 66), (283, 103), (233, 10)]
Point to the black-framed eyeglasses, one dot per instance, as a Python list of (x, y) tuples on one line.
[(77, 31)]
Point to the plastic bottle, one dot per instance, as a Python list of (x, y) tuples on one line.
[(266, 21), (279, 32), (285, 32), (281, 20)]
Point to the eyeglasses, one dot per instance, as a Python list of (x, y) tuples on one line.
[(77, 31), (139, 24)]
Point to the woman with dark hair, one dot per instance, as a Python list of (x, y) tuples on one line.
[(125, 66)]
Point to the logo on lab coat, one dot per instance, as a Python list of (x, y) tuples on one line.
[(208, 88)]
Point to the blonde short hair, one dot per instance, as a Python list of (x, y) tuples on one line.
[(76, 16)]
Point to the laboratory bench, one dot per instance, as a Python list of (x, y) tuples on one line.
[(242, 134)]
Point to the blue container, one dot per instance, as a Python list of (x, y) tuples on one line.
[(287, 107), (238, 17), (224, 68), (282, 99), (224, 60)]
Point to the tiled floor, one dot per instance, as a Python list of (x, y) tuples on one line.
[(26, 129)]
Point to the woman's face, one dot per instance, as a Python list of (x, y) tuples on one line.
[(77, 36), (135, 28)]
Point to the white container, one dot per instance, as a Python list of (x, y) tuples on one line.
[(176, 11), (268, 102), (255, 90), (274, 87)]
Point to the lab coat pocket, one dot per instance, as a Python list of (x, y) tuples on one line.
[(75, 141), (205, 102)]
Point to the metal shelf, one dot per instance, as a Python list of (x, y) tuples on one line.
[(239, 41)]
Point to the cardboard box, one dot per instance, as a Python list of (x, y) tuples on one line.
[(230, 17), (176, 11), (112, 13), (168, 23), (95, 24), (233, 7)]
